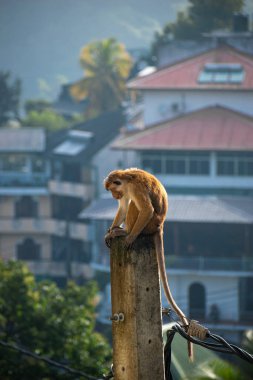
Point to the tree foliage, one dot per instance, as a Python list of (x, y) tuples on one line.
[(47, 118), (209, 15), (247, 343), (9, 96), (200, 16), (37, 105), (106, 66), (57, 323), (219, 370)]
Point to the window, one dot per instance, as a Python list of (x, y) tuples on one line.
[(14, 163), (66, 207), (197, 301), (38, 165), (199, 166), (235, 164), (246, 298), (26, 207), (221, 73), (154, 165), (28, 250), (177, 163), (71, 172)]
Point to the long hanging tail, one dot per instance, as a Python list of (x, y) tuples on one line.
[(163, 275)]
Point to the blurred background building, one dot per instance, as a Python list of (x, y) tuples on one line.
[(193, 128), (189, 121)]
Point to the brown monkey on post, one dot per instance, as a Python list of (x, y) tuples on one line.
[(143, 205)]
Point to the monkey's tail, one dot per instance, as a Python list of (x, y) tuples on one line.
[(162, 269)]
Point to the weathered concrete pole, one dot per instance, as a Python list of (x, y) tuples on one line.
[(136, 307)]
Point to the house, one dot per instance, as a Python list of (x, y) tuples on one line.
[(45, 182), (79, 158), (198, 140), (222, 75), (25, 213)]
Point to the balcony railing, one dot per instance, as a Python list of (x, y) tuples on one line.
[(43, 226), (199, 263), (72, 189), (59, 268), (209, 263), (16, 179)]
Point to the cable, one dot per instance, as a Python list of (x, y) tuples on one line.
[(53, 363), (222, 346)]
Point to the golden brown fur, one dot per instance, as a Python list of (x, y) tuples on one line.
[(143, 206), (147, 191)]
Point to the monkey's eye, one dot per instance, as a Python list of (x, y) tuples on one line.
[(117, 182)]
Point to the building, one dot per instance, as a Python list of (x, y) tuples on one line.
[(221, 76), (80, 157), (29, 228), (45, 182), (198, 140), (25, 212)]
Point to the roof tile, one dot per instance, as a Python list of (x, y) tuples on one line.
[(184, 74), (211, 128)]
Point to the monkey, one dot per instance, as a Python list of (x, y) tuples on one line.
[(143, 205)]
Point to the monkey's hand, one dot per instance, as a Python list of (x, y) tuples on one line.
[(112, 233), (129, 240)]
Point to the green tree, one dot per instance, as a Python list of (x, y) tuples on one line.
[(106, 67), (57, 323), (9, 96), (219, 370), (37, 105), (46, 118), (200, 16), (247, 344), (209, 15)]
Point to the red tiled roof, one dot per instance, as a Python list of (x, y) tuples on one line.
[(212, 128), (184, 75)]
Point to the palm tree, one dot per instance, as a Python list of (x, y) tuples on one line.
[(106, 65)]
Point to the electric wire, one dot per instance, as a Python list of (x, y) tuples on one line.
[(53, 363), (222, 346)]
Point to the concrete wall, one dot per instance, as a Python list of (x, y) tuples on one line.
[(220, 290), (9, 243), (7, 206), (160, 105), (109, 159)]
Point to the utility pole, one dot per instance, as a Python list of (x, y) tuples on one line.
[(136, 311)]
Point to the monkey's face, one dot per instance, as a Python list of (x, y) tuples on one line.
[(115, 186)]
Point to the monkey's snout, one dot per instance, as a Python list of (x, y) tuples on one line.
[(106, 184)]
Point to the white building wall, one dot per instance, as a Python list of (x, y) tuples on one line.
[(107, 160), (7, 206), (163, 105), (44, 206), (220, 290)]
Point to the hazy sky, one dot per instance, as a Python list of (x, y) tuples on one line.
[(40, 40)]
